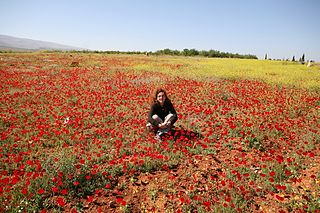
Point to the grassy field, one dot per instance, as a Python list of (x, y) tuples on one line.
[(73, 137), (273, 72)]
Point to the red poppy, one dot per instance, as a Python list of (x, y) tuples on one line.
[(24, 190), (41, 191), (89, 199), (280, 198), (64, 191), (60, 201), (121, 201), (55, 189)]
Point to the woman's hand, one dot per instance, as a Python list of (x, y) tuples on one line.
[(162, 125)]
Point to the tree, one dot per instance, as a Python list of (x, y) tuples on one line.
[(293, 58), (302, 58), (204, 53), (167, 51), (194, 52), (265, 56)]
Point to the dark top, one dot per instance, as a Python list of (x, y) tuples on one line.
[(162, 112)]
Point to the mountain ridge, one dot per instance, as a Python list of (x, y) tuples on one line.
[(16, 43)]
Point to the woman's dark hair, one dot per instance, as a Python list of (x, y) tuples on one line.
[(154, 100)]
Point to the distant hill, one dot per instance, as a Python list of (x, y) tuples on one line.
[(14, 43)]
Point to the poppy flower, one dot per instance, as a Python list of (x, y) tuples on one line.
[(60, 201)]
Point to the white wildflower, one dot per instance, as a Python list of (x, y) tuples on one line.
[(66, 120)]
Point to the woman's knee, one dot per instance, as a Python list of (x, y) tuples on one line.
[(156, 118), (171, 118)]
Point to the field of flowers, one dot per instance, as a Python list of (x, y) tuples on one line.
[(73, 136)]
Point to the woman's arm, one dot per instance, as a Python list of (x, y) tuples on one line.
[(173, 111)]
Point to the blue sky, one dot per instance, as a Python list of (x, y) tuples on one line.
[(280, 28)]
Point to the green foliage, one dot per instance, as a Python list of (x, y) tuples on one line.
[(204, 53), (167, 51)]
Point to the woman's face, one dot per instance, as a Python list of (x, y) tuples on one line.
[(161, 97)]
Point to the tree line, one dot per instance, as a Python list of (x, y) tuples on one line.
[(204, 53), (184, 52), (301, 59)]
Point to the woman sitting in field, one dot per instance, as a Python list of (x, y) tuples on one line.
[(162, 114)]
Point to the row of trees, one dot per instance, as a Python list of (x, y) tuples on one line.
[(301, 59), (204, 53), (184, 52)]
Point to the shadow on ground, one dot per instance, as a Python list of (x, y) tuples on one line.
[(182, 133)]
